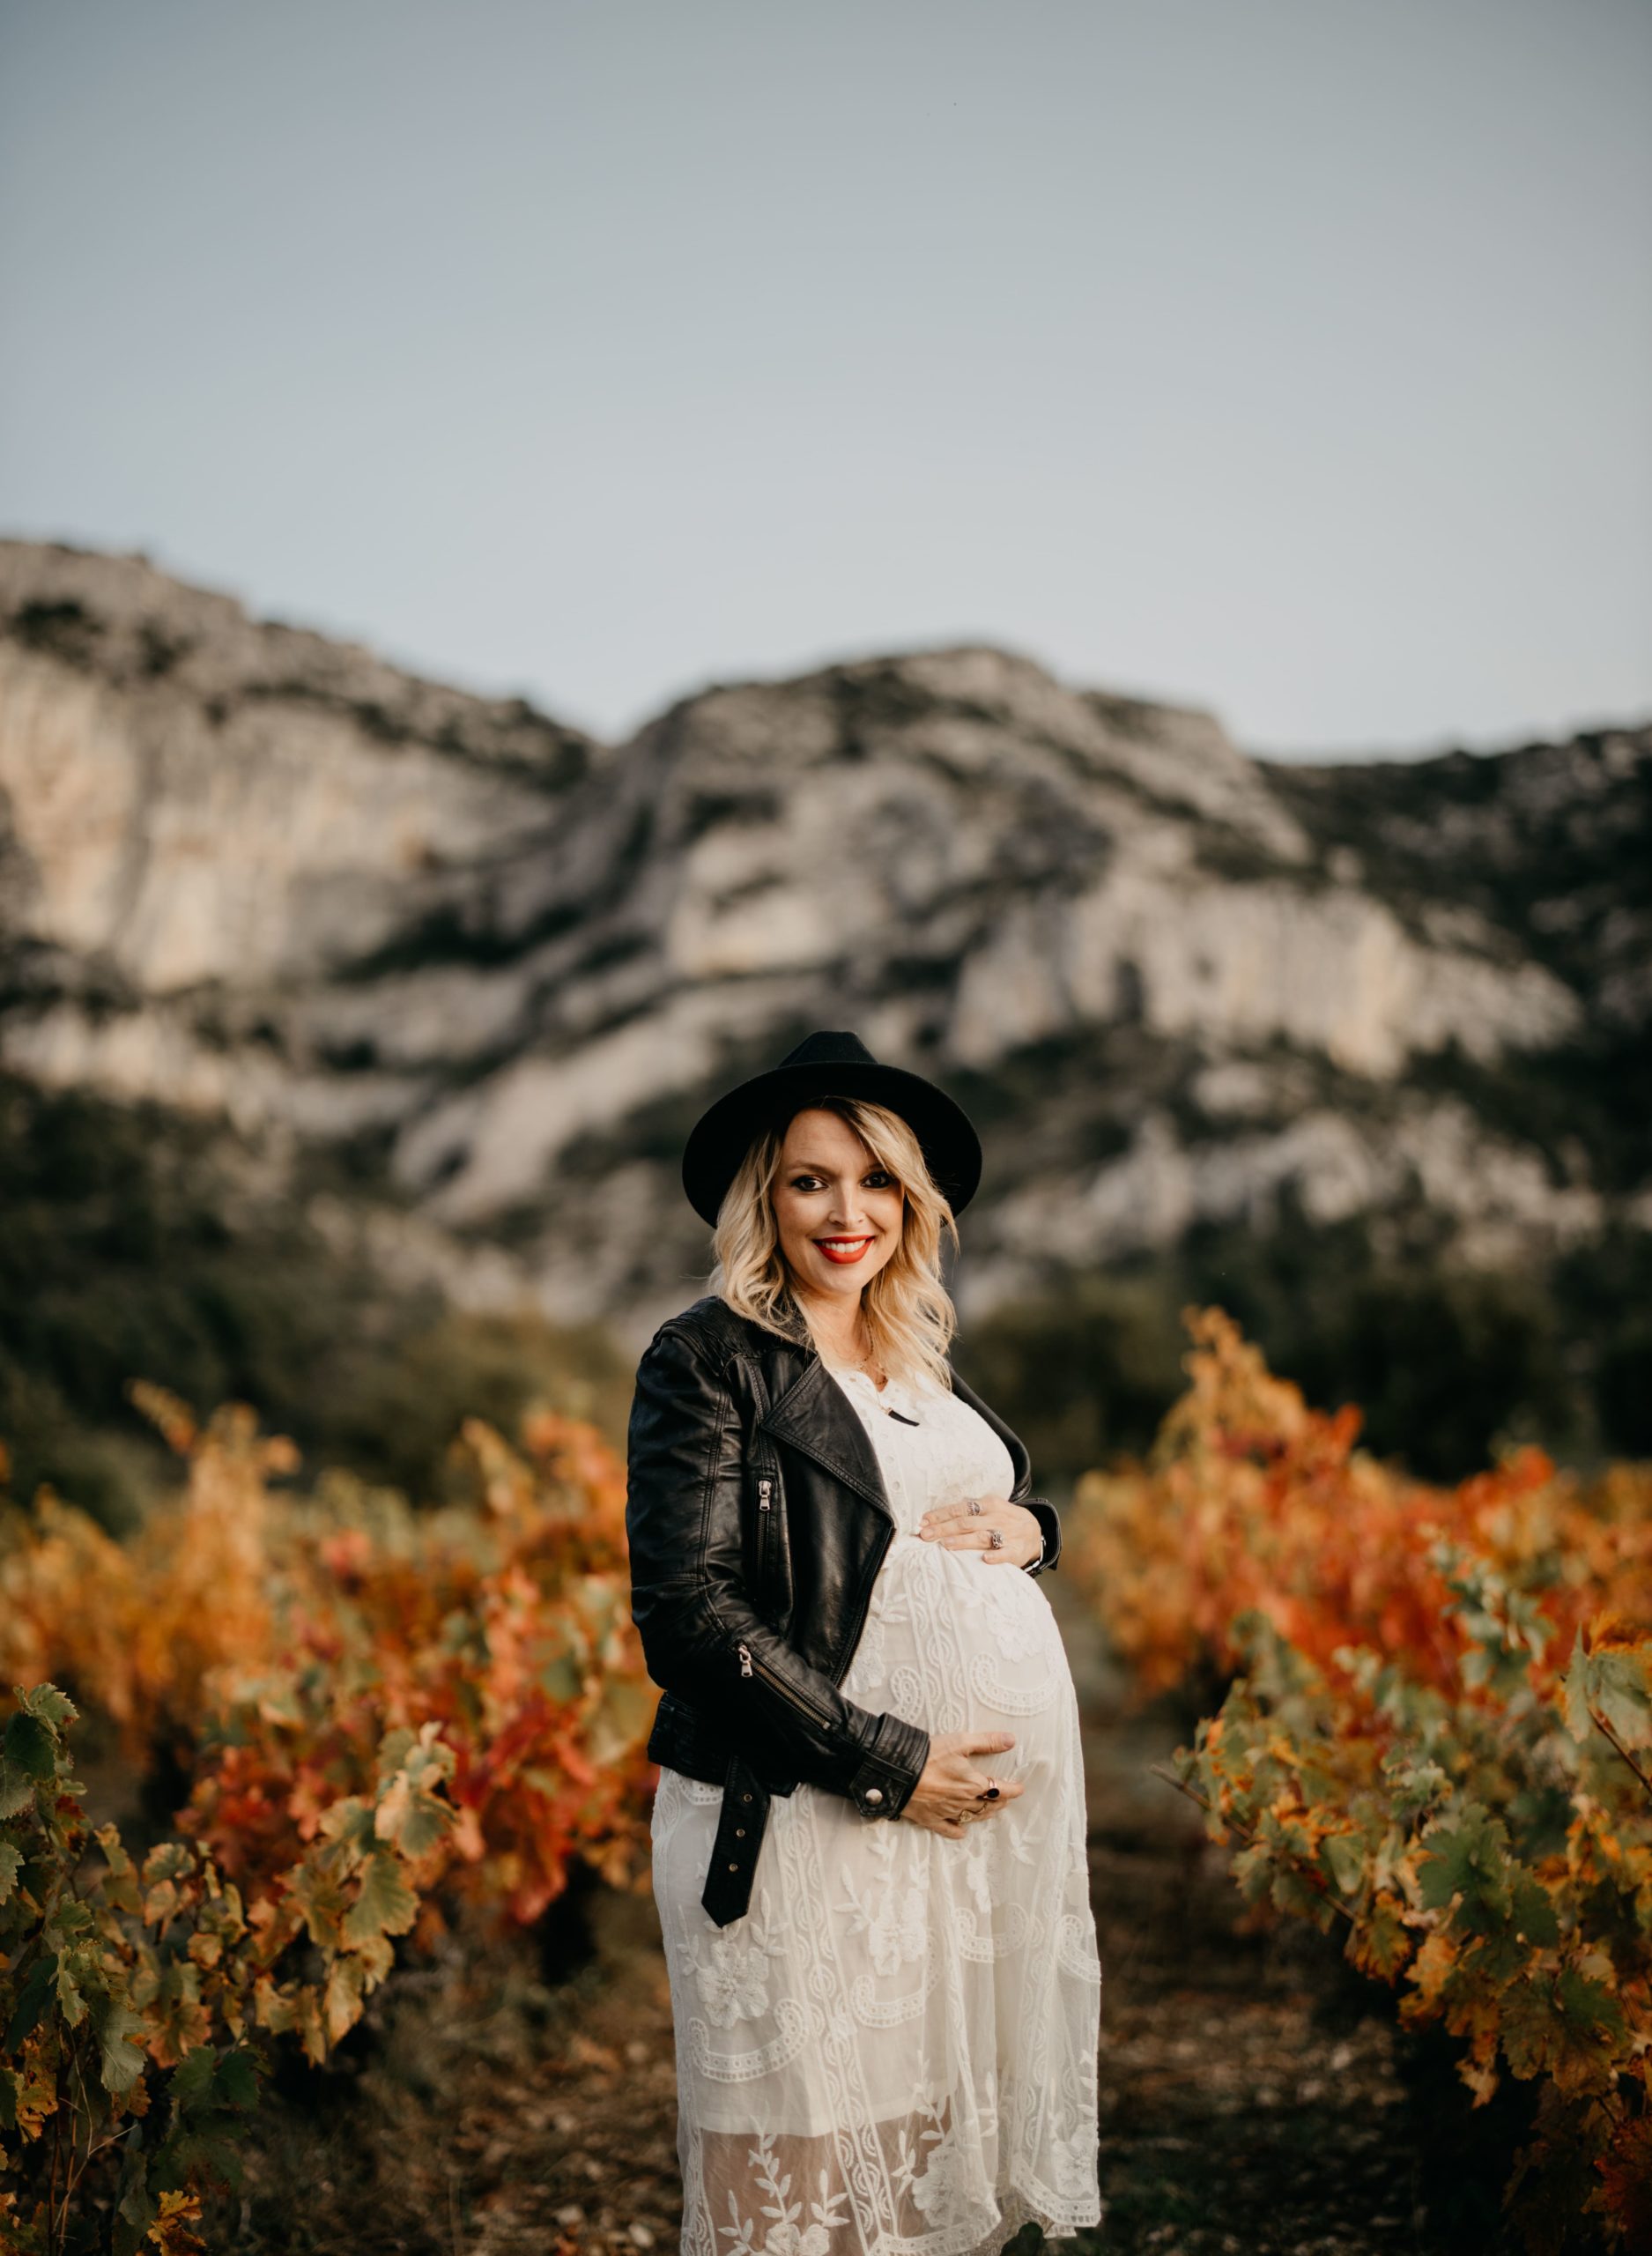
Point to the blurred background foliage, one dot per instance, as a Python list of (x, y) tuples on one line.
[(133, 1247), (1446, 1362)]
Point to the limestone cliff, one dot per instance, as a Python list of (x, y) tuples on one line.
[(267, 880)]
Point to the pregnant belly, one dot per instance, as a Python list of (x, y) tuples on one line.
[(952, 1644)]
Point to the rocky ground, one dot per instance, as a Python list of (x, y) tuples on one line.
[(1255, 2102)]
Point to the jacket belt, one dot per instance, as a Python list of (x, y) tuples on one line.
[(740, 1829)]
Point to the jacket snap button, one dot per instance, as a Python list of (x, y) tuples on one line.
[(734, 1867), (739, 1832), (874, 1793), (746, 1797)]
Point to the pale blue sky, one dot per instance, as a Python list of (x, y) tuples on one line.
[(1292, 357)]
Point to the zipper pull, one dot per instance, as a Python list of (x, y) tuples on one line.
[(763, 1488), (745, 1652)]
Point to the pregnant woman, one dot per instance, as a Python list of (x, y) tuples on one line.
[(868, 1835)]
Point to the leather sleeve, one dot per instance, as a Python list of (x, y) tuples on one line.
[(1049, 1519), (686, 1472)]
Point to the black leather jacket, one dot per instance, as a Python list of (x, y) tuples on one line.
[(757, 1522)]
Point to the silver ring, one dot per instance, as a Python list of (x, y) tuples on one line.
[(994, 1539), (974, 1503)]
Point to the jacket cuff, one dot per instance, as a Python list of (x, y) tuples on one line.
[(889, 1768), (1050, 1522)]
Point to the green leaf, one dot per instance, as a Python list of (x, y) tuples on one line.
[(1291, 1892), (30, 2002), (169, 1861), (202, 2151), (137, 2211), (10, 2092), (1588, 2011), (1571, 2023), (1534, 1911), (120, 2063), (16, 1790), (236, 2082), (386, 1906), (1346, 1853), (1469, 1860), (1613, 1686), (319, 1894), (1617, 1688), (71, 2004), (393, 1751), (411, 1817), (1416, 1783), (349, 1822), (50, 1705), (1252, 1869), (10, 1866), (1573, 1697), (192, 2078), (30, 1746)]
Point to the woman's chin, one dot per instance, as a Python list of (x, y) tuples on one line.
[(822, 1275)]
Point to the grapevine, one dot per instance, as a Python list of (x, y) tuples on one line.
[(1435, 1739), (382, 1715)]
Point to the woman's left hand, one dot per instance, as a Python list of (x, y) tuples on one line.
[(960, 1529)]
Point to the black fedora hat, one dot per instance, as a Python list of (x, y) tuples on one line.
[(828, 1064)]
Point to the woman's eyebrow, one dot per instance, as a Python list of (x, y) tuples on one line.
[(817, 1167)]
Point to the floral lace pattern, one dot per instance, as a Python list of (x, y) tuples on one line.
[(894, 2053)]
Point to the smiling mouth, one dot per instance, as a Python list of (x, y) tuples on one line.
[(843, 1249)]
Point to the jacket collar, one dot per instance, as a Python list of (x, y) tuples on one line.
[(814, 1416)]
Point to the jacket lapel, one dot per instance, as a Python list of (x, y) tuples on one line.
[(814, 1416)]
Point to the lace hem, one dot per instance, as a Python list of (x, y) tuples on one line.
[(911, 2187), (1016, 2207)]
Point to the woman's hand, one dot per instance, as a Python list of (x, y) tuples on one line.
[(952, 1793), (961, 1527)]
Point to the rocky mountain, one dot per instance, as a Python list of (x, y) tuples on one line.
[(456, 979)]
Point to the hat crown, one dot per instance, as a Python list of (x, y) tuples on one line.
[(828, 1064), (829, 1049)]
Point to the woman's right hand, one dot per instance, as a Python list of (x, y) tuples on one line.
[(952, 1784)]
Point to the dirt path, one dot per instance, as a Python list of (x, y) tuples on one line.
[(1251, 2098)]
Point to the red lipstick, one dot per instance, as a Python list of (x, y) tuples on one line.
[(844, 1250)]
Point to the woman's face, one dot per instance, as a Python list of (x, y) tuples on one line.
[(838, 1211)]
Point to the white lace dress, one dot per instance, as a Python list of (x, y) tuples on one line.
[(894, 2052)]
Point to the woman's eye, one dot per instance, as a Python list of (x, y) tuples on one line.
[(879, 1179)]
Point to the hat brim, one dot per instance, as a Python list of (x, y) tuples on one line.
[(722, 1135)]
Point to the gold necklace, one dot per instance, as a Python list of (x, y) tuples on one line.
[(878, 1375)]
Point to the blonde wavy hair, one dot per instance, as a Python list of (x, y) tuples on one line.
[(908, 1313)]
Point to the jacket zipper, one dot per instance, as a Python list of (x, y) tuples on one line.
[(766, 1510), (790, 1691)]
